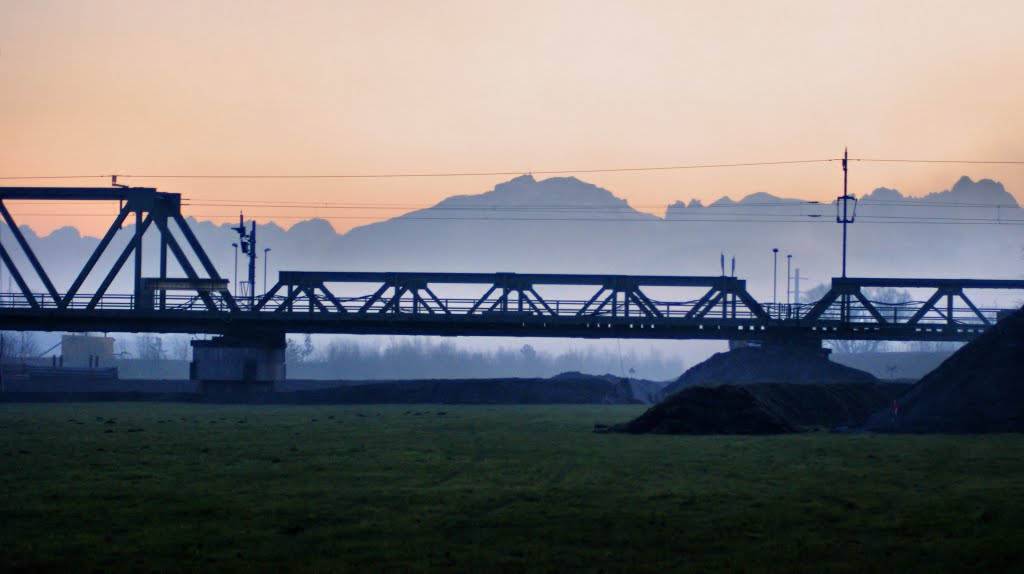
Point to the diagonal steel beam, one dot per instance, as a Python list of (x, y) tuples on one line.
[(396, 300), (870, 307), (541, 300), (292, 295), (118, 264), (416, 297), (752, 305), (440, 305), (643, 307), (612, 298), (179, 254), (29, 253), (481, 300), (710, 306), (583, 309), (18, 278), (314, 300), (374, 298), (698, 307), (645, 301), (975, 309), (928, 306), (95, 257), (822, 305), (268, 296), (330, 297), (197, 248)]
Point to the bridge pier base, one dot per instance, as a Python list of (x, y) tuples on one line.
[(791, 340), (238, 364)]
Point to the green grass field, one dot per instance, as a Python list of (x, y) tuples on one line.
[(175, 487)]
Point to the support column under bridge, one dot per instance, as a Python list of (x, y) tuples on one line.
[(239, 363)]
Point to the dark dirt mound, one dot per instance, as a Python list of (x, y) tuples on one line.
[(978, 389), (763, 408), (725, 409), (774, 364)]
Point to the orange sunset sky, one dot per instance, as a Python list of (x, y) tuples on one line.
[(370, 87)]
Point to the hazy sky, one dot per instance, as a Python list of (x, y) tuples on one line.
[(143, 87)]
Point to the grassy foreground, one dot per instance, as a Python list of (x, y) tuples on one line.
[(170, 487)]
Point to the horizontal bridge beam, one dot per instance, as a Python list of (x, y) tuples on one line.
[(922, 283), (317, 277), (137, 198)]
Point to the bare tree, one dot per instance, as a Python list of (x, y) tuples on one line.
[(181, 347), (17, 346), (149, 347), (892, 303)]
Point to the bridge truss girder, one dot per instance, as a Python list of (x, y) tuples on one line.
[(149, 207), (846, 296), (411, 294)]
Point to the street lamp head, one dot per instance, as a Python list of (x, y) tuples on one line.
[(775, 250), (235, 245), (266, 250)]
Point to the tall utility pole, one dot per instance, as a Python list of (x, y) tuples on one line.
[(847, 216), (247, 240)]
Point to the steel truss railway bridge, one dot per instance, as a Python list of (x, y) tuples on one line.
[(252, 329)]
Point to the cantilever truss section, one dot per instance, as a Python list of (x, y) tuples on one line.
[(150, 208), (505, 293), (947, 304)]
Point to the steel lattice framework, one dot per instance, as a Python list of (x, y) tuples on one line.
[(493, 304)]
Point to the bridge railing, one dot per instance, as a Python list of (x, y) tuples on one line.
[(111, 301), (894, 313), (562, 308)]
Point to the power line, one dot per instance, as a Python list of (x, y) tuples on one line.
[(423, 175), (960, 161), (517, 173), (647, 219)]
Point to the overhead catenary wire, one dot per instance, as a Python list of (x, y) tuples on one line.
[(650, 219), (678, 167), (437, 174)]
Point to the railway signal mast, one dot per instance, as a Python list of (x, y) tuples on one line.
[(247, 241)]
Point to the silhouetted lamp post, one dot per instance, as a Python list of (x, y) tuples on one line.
[(266, 251), (775, 275), (789, 263), (235, 278)]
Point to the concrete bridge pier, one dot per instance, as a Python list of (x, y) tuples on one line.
[(792, 340), (233, 364)]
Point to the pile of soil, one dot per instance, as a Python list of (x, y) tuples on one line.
[(763, 408), (980, 388), (772, 364), (725, 409)]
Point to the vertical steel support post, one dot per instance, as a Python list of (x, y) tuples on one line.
[(163, 264), (138, 258)]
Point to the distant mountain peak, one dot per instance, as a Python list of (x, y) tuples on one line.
[(965, 190), (525, 190)]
